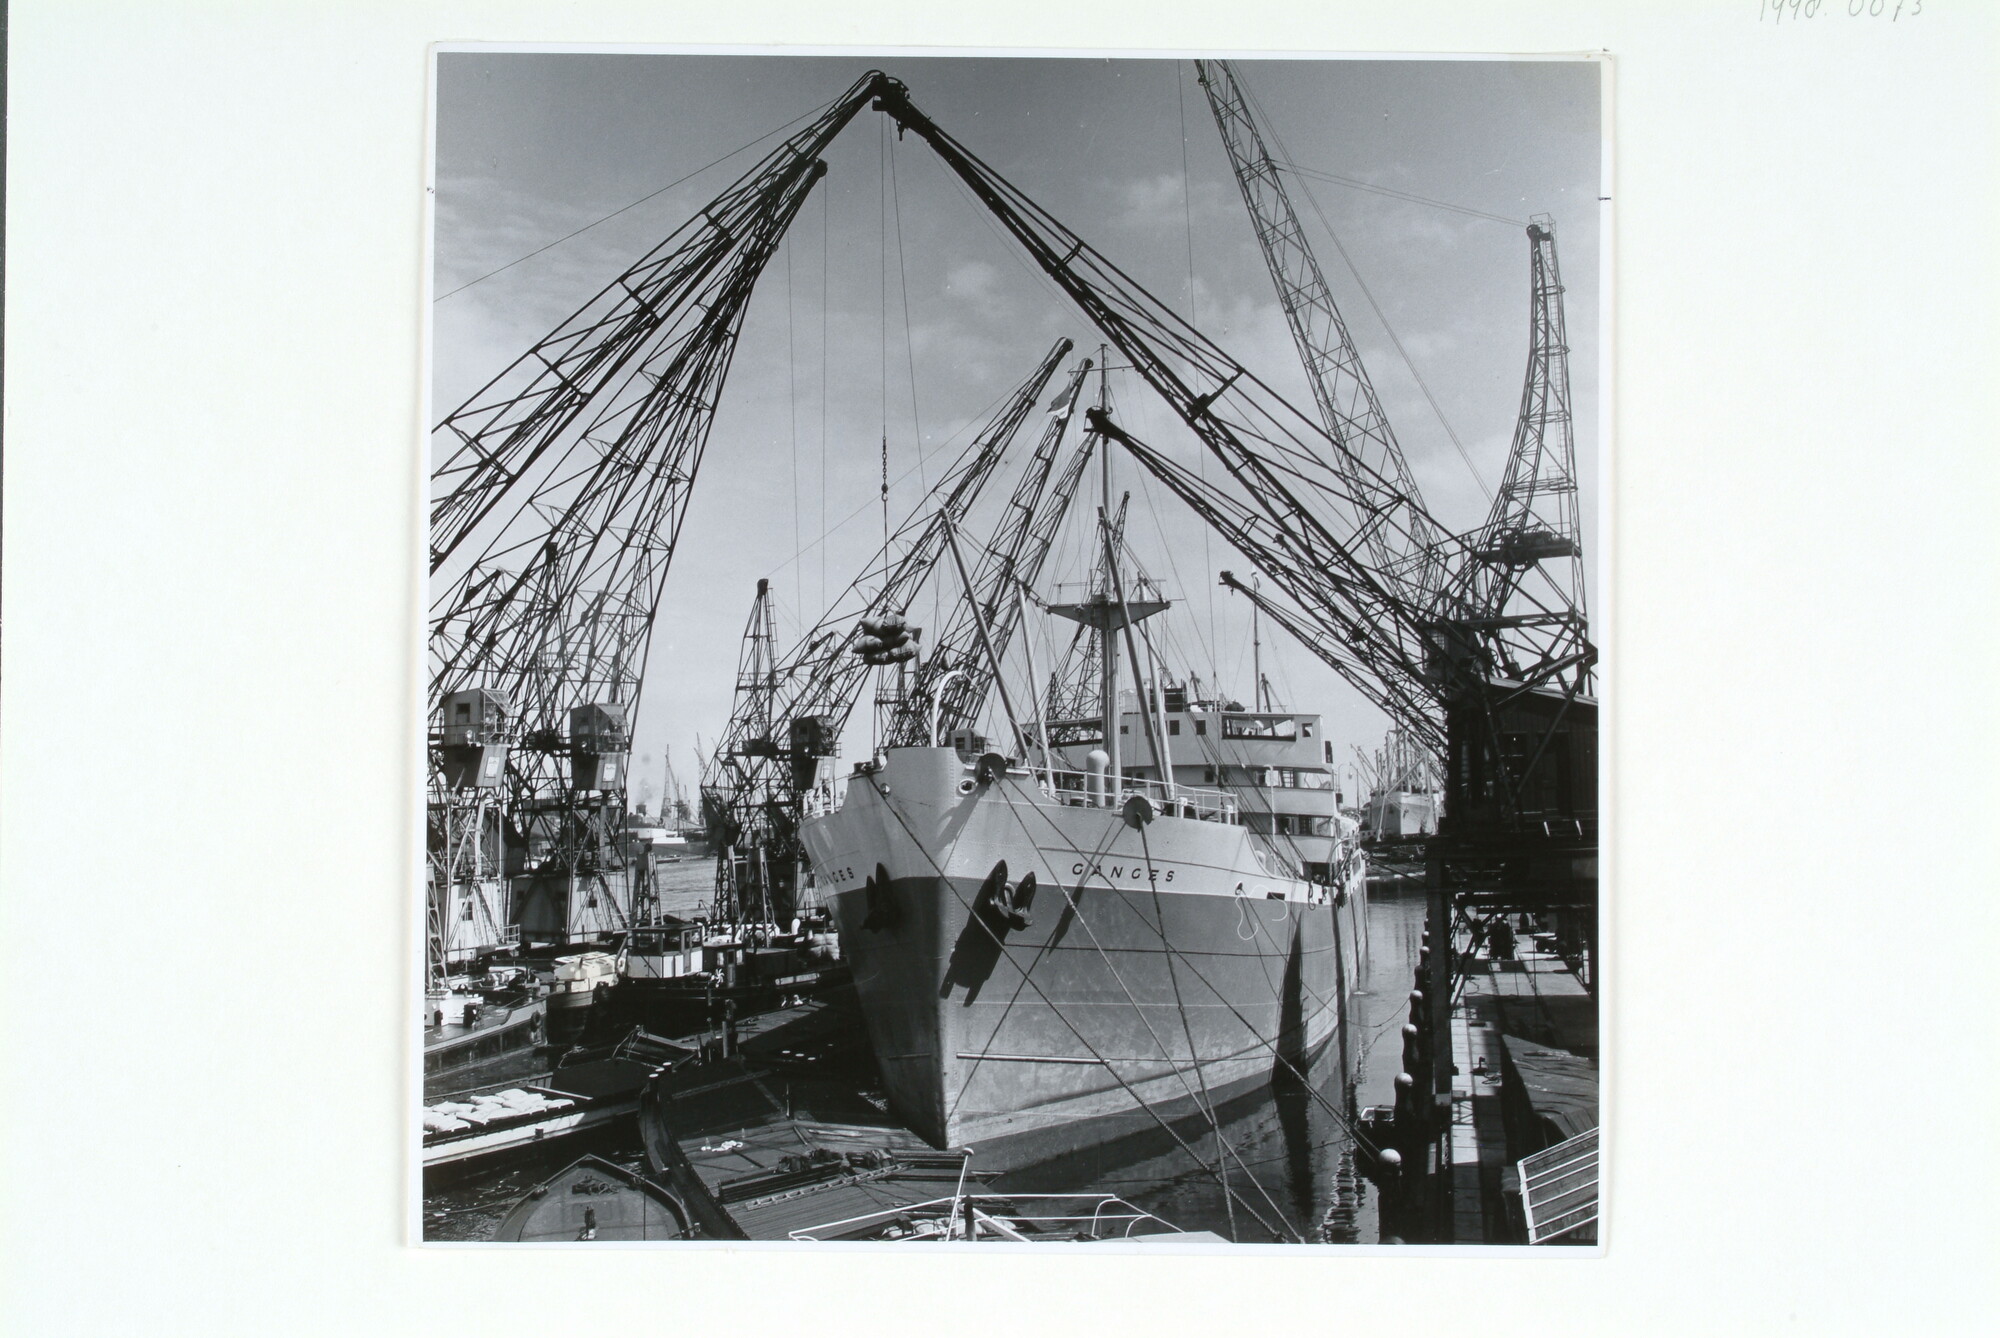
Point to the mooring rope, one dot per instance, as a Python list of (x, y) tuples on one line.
[(1084, 1041)]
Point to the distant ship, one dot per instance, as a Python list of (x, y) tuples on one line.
[(1040, 949), (1396, 813), (657, 844), (1405, 790)]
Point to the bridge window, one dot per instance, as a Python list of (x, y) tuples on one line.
[(1259, 727)]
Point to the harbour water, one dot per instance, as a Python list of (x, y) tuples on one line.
[(1291, 1166), (687, 888), (1289, 1163)]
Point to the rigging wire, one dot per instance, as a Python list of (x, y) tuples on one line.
[(882, 270), (1201, 456), (1211, 747), (909, 354), (1173, 565), (882, 229), (1094, 857), (1374, 188), (1055, 1009), (825, 227), (981, 417), (1187, 207), (903, 287), (792, 379), (1009, 246), (806, 115), (1208, 747)]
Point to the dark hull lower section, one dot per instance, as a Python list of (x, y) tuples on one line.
[(686, 1006), (1112, 1010), (570, 1015)]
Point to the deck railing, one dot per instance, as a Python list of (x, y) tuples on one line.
[(1085, 789), (1082, 789), (1011, 1217)]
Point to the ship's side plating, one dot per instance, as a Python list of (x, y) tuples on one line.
[(1028, 966)]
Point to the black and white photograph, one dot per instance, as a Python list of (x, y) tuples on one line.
[(1010, 650), (1146, 668)]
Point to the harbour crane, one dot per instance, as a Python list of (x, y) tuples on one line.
[(576, 463), (1502, 698), (740, 772), (1410, 556), (1514, 663), (770, 754), (1312, 512), (1532, 533), (542, 639), (953, 680)]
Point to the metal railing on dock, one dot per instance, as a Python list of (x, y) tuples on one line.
[(1559, 1192)]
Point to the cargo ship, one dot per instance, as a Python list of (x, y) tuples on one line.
[(1046, 954), (1274, 762)]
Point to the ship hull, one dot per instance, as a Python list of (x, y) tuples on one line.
[(1163, 967)]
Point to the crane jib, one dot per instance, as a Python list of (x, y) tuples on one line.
[(1343, 536)]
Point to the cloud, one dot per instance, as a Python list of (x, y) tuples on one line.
[(1424, 345), (1164, 203), (971, 279), (1143, 200)]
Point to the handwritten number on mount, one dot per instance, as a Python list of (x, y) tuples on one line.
[(1780, 10)]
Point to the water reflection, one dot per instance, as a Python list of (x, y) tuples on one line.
[(1278, 1164)]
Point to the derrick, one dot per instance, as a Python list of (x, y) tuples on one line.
[(1074, 707), (955, 678), (1528, 556), (1346, 399), (769, 758), (1307, 521), (576, 463)]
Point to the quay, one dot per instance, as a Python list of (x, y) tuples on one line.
[(1504, 1150), (559, 491)]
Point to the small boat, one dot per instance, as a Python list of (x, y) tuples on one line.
[(582, 982), (1398, 814), (475, 1021), (683, 976), (577, 1097), (593, 1199), (1023, 1219)]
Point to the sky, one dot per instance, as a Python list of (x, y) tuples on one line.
[(922, 317)]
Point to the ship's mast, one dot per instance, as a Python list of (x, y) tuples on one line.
[(1256, 655), (1107, 646)]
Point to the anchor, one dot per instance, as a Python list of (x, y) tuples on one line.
[(1004, 908), (883, 912)]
